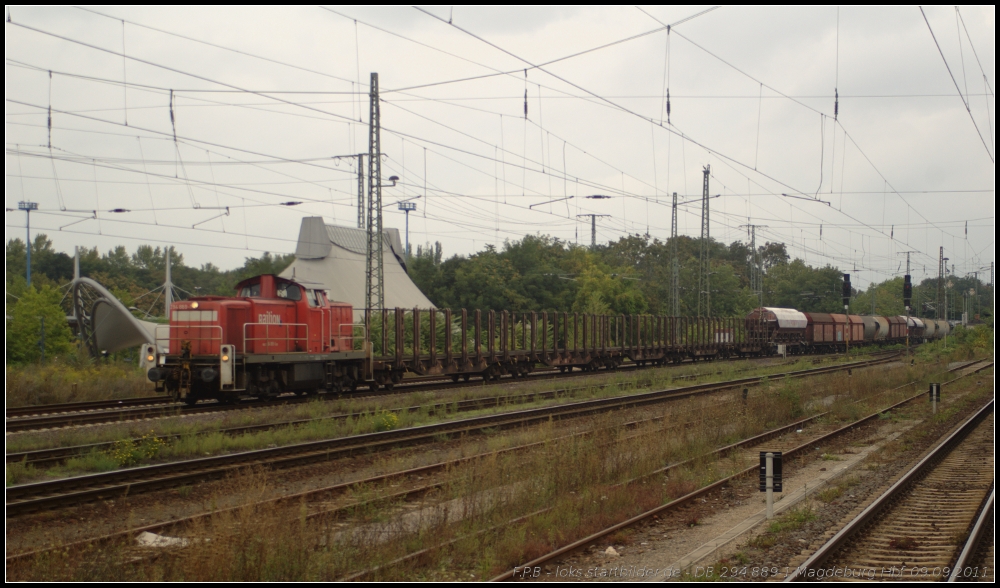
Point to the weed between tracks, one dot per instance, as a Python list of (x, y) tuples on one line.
[(577, 485), (202, 437)]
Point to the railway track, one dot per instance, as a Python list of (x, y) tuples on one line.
[(53, 456), (42, 409), (975, 562), (917, 528), (323, 496), (27, 498), (88, 413), (553, 556)]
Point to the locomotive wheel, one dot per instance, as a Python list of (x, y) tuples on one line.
[(190, 400), (273, 391)]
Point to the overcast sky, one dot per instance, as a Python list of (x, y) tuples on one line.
[(264, 100)]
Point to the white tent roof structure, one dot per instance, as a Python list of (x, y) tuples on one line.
[(334, 258), (103, 322)]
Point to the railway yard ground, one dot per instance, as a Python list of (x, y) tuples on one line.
[(487, 491)]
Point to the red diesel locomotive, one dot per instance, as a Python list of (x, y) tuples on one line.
[(276, 335)]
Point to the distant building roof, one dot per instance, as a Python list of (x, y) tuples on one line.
[(335, 257)]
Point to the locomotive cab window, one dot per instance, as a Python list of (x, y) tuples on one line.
[(251, 291), (289, 292), (313, 297)]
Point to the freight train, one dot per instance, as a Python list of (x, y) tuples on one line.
[(279, 335)]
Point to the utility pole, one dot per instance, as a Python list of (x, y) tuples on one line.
[(27, 207), (361, 190), (168, 288), (593, 227), (675, 285), (375, 288), (704, 287)]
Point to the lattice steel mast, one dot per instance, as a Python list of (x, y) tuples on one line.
[(361, 191), (756, 264), (704, 287), (375, 293)]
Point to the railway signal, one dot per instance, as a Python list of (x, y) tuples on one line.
[(934, 394), (770, 477), (847, 302)]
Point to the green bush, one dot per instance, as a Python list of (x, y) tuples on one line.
[(37, 307)]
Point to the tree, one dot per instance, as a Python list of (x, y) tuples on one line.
[(486, 282), (797, 285), (37, 306), (888, 299)]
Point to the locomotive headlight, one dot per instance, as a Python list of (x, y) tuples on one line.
[(194, 305), (150, 358), (225, 358)]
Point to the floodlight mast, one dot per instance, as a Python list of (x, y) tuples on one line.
[(27, 207), (407, 207)]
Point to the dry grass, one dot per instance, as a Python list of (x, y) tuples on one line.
[(577, 485), (77, 381)]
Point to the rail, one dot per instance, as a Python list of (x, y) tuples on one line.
[(856, 525), (59, 493)]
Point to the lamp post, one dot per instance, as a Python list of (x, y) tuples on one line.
[(27, 207), (407, 207)]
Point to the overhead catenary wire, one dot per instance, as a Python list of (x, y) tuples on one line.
[(957, 89), (566, 178)]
